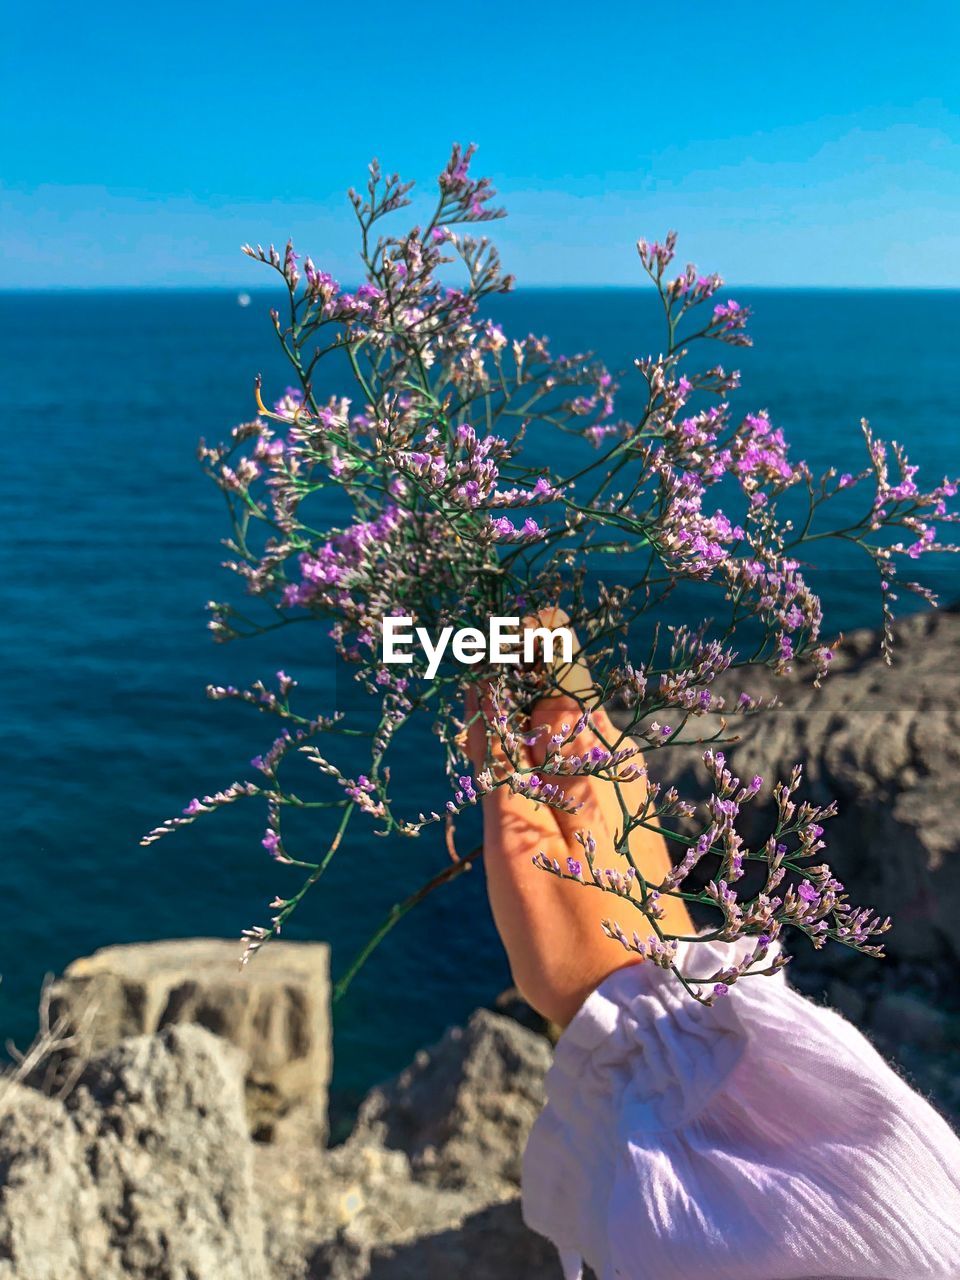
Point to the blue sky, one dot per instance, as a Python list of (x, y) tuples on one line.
[(815, 144)]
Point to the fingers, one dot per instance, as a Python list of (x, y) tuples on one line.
[(551, 722), (555, 716), (573, 677), (512, 823), (476, 732), (484, 746)]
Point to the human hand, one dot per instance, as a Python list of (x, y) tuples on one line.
[(551, 928)]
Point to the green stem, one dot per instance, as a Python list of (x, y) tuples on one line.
[(396, 914)]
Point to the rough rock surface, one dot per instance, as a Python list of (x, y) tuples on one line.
[(463, 1109), (147, 1170), (144, 1173), (277, 1011), (48, 1202), (427, 1184)]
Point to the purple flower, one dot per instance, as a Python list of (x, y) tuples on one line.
[(398, 497), (466, 783)]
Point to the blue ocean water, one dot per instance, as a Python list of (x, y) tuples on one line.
[(111, 547)]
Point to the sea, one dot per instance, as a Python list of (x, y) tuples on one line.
[(111, 548)]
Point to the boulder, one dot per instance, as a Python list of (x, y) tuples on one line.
[(276, 1010), (904, 1019), (144, 1173), (462, 1110), (427, 1183), (846, 999), (512, 1005), (49, 1214), (489, 1244)]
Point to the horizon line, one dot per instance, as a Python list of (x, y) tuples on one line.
[(254, 290)]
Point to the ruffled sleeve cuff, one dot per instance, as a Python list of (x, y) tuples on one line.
[(760, 1139)]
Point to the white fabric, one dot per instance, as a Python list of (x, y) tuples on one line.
[(761, 1139)]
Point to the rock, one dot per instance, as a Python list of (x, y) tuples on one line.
[(427, 1183), (149, 1158), (902, 1019), (492, 1244), (512, 1005), (847, 1000), (328, 1211), (144, 1173), (885, 744), (463, 1109), (277, 1010), (48, 1208)]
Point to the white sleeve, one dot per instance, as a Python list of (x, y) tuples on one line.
[(760, 1139)]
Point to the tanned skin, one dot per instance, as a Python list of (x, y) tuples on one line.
[(550, 928)]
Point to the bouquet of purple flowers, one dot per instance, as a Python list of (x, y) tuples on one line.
[(441, 449)]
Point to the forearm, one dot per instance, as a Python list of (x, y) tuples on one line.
[(551, 928)]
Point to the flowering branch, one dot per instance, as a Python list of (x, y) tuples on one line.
[(442, 455)]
